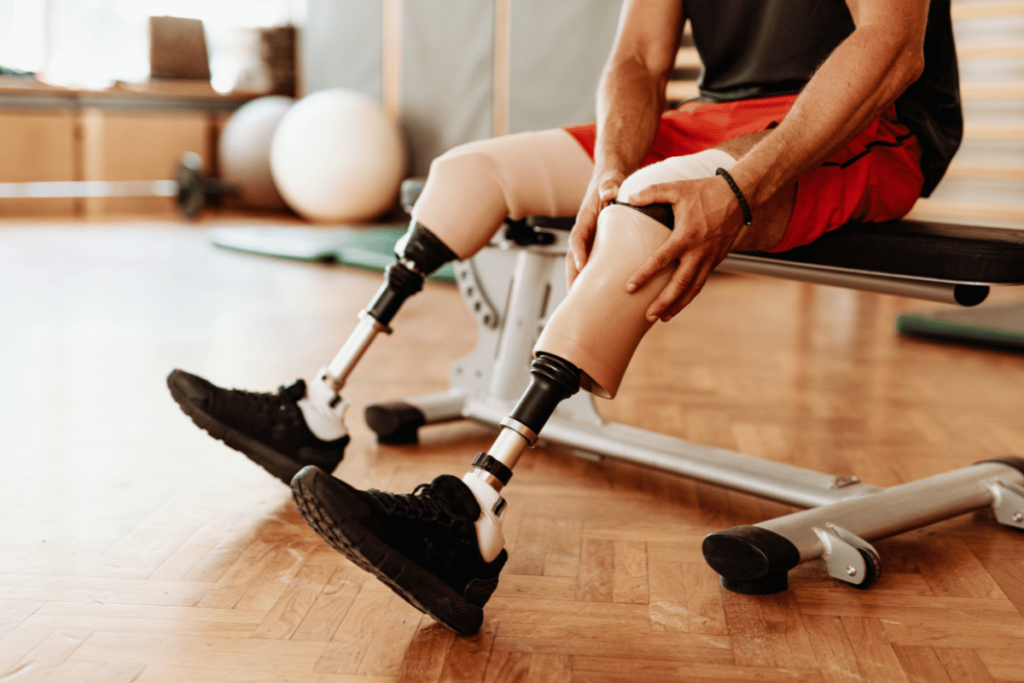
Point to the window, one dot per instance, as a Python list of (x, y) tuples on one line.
[(92, 43)]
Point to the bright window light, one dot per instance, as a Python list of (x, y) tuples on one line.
[(93, 43)]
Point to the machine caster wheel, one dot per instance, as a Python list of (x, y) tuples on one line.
[(395, 423), (872, 567)]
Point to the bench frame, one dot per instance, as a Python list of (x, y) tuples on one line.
[(513, 284)]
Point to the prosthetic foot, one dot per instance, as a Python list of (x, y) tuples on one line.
[(278, 431), (440, 548)]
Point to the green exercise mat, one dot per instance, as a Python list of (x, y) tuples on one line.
[(995, 327), (366, 247)]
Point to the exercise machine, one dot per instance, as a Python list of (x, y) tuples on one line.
[(513, 284)]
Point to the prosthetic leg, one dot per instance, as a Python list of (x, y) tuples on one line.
[(588, 342), (518, 175), (419, 253)]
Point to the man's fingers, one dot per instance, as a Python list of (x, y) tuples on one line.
[(691, 292), (675, 288), (578, 239), (666, 254), (608, 191), (580, 236), (659, 193), (571, 272)]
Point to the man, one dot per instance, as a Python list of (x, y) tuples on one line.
[(813, 113)]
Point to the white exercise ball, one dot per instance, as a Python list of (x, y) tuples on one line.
[(336, 158), (244, 150)]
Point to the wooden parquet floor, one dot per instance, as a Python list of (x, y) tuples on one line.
[(134, 549)]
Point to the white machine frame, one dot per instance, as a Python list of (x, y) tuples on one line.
[(511, 290)]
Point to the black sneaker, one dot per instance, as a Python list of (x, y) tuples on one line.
[(422, 545), (268, 428)]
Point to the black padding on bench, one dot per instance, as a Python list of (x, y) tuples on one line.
[(945, 251), (923, 249)]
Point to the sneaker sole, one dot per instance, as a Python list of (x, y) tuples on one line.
[(413, 583), (274, 462)]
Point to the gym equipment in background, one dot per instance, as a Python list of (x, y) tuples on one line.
[(999, 327), (518, 279), (336, 158), (244, 150), (190, 188)]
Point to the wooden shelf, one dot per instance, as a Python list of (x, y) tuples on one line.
[(27, 93)]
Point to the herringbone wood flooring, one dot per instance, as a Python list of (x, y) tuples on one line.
[(135, 548)]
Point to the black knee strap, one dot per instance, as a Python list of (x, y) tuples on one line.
[(488, 463), (660, 212)]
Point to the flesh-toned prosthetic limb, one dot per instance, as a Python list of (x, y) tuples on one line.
[(469, 193), (590, 338), (599, 325)]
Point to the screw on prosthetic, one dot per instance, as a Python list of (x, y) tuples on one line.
[(552, 380), (419, 253)]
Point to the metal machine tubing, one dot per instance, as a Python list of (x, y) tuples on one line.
[(519, 324), (441, 407), (776, 481), (896, 509), (918, 288)]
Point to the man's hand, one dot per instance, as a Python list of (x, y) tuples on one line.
[(708, 223), (603, 188)]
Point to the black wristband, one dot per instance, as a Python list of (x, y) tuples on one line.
[(748, 218)]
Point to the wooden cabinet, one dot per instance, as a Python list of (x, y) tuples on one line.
[(53, 135)]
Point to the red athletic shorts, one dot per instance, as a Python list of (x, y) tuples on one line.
[(875, 177)]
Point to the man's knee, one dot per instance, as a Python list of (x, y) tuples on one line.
[(686, 167)]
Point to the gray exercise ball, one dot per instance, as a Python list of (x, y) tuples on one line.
[(245, 150)]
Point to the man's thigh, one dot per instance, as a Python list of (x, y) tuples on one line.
[(875, 177)]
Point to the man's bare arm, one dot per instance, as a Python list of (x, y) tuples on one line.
[(630, 101), (859, 80)]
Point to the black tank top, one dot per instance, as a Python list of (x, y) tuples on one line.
[(761, 48)]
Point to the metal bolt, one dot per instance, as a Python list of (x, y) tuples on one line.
[(851, 571), (1018, 517)]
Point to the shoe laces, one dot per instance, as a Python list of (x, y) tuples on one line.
[(419, 504), (444, 548), (264, 409)]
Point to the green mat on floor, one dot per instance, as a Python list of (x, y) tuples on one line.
[(995, 327), (369, 247)]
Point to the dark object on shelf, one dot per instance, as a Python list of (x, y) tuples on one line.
[(277, 50), (177, 49)]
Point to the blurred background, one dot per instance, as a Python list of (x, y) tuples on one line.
[(99, 90)]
